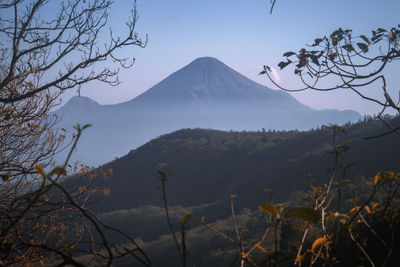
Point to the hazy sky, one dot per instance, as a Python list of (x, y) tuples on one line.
[(243, 35)]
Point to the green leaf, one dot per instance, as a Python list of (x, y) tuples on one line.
[(348, 47), (301, 64), (304, 213), (269, 208), (380, 30), (363, 47), (86, 126), (288, 54), (314, 59), (376, 38), (284, 64), (365, 38), (317, 41), (332, 56), (266, 68)]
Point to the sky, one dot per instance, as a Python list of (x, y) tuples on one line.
[(243, 35)]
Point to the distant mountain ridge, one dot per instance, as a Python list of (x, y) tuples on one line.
[(204, 94)]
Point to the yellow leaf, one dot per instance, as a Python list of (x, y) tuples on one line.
[(367, 209), (186, 218), (317, 243), (329, 216), (355, 209), (299, 258), (328, 243), (233, 196), (261, 248), (39, 169), (269, 208), (59, 170), (389, 173), (378, 177), (45, 197), (374, 205), (281, 210)]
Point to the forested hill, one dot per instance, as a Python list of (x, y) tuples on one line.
[(208, 165)]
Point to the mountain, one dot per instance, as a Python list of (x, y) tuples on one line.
[(79, 104), (207, 166), (209, 81), (204, 94)]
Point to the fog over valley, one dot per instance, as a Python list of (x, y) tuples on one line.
[(204, 94)]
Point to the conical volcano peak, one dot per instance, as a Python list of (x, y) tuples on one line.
[(207, 80), (206, 61), (82, 100), (78, 103)]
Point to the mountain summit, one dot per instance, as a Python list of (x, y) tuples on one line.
[(79, 104), (207, 80)]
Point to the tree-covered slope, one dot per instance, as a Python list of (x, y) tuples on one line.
[(208, 165)]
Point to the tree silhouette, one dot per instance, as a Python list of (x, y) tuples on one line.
[(44, 219), (344, 61)]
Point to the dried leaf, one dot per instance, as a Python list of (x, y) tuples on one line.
[(39, 169), (304, 213), (378, 178), (186, 218), (269, 208), (261, 248), (317, 243)]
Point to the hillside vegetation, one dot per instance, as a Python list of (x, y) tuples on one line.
[(208, 166)]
